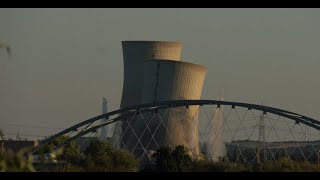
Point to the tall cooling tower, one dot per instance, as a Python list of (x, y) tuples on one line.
[(134, 55), (166, 80)]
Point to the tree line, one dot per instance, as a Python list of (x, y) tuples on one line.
[(100, 156)]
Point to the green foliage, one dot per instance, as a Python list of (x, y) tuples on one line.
[(11, 162), (124, 161), (52, 147), (177, 160), (284, 164), (164, 160), (182, 160), (205, 165), (72, 154), (98, 148), (69, 168), (100, 156), (1, 134)]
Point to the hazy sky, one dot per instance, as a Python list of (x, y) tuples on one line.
[(65, 60)]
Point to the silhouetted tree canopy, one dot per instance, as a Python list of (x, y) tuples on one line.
[(101, 156), (1, 134), (177, 160)]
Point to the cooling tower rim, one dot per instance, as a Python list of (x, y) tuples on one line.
[(177, 62), (150, 42)]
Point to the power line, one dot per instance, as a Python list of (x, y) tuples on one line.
[(27, 126), (20, 135)]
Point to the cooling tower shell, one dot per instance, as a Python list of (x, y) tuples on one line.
[(134, 55), (166, 80)]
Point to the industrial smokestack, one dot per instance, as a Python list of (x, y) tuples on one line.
[(104, 129)]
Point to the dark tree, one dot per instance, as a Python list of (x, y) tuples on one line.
[(177, 160)]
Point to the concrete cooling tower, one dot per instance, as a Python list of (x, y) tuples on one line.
[(134, 55), (166, 80)]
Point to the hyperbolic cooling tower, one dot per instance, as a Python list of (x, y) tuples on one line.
[(166, 80), (153, 72), (134, 55)]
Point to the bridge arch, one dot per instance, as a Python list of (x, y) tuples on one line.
[(179, 103), (123, 113)]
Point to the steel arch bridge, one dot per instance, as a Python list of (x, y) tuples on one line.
[(237, 147)]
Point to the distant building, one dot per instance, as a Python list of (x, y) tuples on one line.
[(16, 145)]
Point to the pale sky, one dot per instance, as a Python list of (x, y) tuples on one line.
[(65, 60)]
